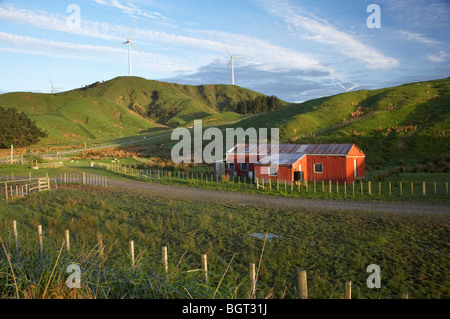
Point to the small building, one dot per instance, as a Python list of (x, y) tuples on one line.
[(296, 162)]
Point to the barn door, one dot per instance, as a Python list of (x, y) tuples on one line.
[(355, 167)]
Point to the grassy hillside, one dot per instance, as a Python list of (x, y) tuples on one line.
[(125, 106), (405, 124), (410, 122)]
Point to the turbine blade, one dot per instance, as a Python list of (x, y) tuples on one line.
[(51, 81), (229, 63), (131, 34), (237, 57), (353, 87), (121, 44), (228, 50), (136, 47), (341, 85)]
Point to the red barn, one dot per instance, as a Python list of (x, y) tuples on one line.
[(296, 162)]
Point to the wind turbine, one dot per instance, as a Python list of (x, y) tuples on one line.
[(232, 65), (346, 90), (54, 88), (129, 49)]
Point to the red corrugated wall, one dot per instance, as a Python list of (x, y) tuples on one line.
[(335, 168)]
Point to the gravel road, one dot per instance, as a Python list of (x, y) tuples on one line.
[(242, 199)]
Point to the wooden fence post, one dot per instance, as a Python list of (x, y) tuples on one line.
[(100, 244), (16, 239), (390, 188), (67, 240), (205, 267), (84, 178), (165, 262), (252, 280), (435, 190), (329, 182), (370, 188), (132, 253), (424, 189), (348, 290), (302, 287), (6, 190), (405, 295), (41, 243)]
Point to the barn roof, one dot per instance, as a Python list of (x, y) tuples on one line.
[(281, 159), (297, 149)]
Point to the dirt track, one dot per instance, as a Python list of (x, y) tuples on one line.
[(235, 198)]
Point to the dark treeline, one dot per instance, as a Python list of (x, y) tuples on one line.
[(258, 105), (18, 129)]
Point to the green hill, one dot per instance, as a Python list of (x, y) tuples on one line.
[(410, 122), (125, 106)]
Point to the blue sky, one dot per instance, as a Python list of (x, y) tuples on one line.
[(293, 49)]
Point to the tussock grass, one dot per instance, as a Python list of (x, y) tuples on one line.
[(334, 246)]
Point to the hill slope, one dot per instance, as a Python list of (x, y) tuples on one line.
[(411, 121), (124, 106)]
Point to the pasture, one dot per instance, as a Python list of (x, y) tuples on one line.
[(334, 246)]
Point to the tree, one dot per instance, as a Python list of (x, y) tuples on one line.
[(17, 129), (258, 105)]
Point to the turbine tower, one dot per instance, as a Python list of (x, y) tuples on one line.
[(53, 87), (129, 49), (232, 64), (346, 90)]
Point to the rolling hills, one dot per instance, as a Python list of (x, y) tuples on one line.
[(410, 122), (124, 106)]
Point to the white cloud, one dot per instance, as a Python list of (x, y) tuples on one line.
[(262, 53), (130, 9), (316, 29), (418, 37), (201, 47), (437, 58), (93, 53)]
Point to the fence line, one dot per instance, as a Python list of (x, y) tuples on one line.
[(300, 275), (339, 125), (326, 187), (15, 160), (24, 187), (84, 178)]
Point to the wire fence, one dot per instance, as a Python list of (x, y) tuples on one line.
[(340, 188)]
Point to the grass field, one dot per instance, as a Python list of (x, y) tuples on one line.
[(405, 141), (412, 250)]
